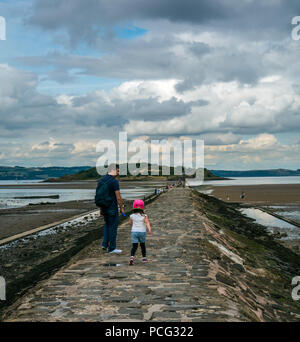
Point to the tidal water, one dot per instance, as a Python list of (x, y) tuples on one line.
[(8, 200), (273, 223)]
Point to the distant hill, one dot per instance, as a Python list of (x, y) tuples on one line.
[(92, 174), (257, 173), (24, 173)]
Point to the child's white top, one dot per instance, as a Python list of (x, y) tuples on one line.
[(139, 224)]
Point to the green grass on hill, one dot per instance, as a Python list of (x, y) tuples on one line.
[(92, 174)]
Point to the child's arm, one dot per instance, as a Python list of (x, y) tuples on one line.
[(148, 225), (130, 222)]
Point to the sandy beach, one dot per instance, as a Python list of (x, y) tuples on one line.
[(270, 194), (19, 220)]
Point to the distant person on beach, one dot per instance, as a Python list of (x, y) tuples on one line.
[(242, 195), (139, 221), (110, 211)]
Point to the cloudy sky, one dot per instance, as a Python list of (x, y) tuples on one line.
[(73, 72)]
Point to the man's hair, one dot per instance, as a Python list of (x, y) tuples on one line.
[(113, 167)]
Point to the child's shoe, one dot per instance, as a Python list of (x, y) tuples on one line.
[(144, 260), (131, 261)]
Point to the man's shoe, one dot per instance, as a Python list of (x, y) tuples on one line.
[(144, 260), (104, 248), (117, 251)]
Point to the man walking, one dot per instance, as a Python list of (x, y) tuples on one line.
[(111, 213)]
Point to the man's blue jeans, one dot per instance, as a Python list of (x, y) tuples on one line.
[(111, 218)]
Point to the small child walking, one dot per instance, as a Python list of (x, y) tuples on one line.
[(139, 221)]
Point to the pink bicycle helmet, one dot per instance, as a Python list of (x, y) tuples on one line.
[(138, 204)]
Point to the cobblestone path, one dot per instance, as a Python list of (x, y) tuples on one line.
[(174, 286)]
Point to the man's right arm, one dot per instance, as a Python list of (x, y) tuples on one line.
[(119, 199)]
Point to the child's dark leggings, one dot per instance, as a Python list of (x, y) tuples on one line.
[(135, 247)]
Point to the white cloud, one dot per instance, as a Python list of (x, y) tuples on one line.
[(163, 90), (270, 79), (193, 74), (260, 142), (46, 146), (84, 148), (231, 108)]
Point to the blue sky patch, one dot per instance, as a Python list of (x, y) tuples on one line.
[(131, 32)]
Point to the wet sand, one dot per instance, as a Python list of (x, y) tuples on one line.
[(269, 194), (263, 195), (19, 220)]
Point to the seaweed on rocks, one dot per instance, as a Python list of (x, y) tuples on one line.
[(263, 277), (227, 216)]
